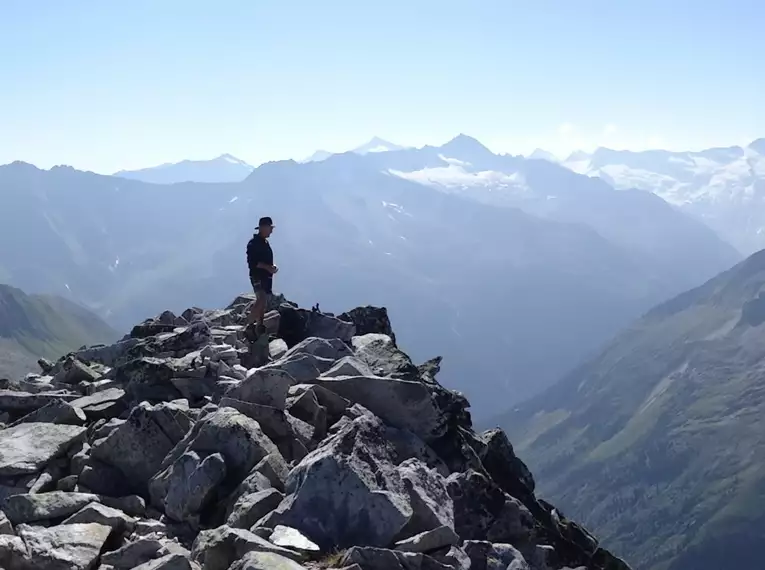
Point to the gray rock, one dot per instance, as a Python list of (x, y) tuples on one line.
[(64, 547), (45, 506), (482, 511), (238, 439), (272, 420), (191, 481), (13, 552), (370, 558), (27, 448), (170, 562), (108, 403), (5, 524), (348, 366), (101, 514), (148, 378), (329, 349), (347, 491), (430, 501), (273, 467), (302, 367), (401, 403), (67, 483), (218, 548), (265, 561), (132, 554), (103, 479), (335, 405), (490, 556), (293, 539), (329, 327), (132, 505), (380, 354), (457, 559), (20, 403), (504, 467), (145, 528), (265, 386), (73, 372), (138, 447), (55, 412), (277, 348), (250, 508), (430, 540)]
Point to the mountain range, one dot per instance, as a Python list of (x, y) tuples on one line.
[(722, 187), (656, 442), (225, 168), (375, 144), (495, 261), (34, 326)]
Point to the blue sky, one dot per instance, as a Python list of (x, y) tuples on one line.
[(107, 85)]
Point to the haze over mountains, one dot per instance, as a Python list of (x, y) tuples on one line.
[(656, 443), (494, 261), (225, 168), (723, 187), (34, 326)]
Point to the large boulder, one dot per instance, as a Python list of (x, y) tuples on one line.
[(218, 548), (138, 447), (239, 441), (28, 447), (265, 386), (358, 488), (191, 481), (380, 354), (483, 511), (29, 508), (401, 403), (370, 320), (64, 547)]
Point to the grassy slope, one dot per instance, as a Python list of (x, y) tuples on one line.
[(38, 325), (657, 443)]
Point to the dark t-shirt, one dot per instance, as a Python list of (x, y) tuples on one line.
[(259, 251)]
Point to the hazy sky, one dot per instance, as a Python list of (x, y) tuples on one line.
[(104, 85)]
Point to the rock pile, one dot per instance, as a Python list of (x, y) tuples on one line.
[(178, 448)]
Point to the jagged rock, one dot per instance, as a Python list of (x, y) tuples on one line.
[(293, 539), (370, 320), (333, 492), (146, 528), (431, 504), (138, 447), (430, 540), (101, 514), (380, 354), (132, 554), (457, 559), (348, 366), (5, 524), (73, 371), (190, 484), (132, 505), (218, 548), (302, 367), (169, 562), (13, 552), (487, 556), (277, 348), (21, 403), (45, 506), (482, 511), (264, 386), (370, 558), (265, 561), (55, 412), (317, 395), (104, 404), (272, 420), (66, 546), (239, 440), (148, 378), (252, 507), (401, 403), (328, 349), (28, 447), (45, 365), (500, 461)]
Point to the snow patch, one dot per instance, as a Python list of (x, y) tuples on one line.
[(234, 199)]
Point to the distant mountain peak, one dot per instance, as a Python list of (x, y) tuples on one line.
[(224, 168), (376, 144), (542, 154), (758, 146), (465, 145)]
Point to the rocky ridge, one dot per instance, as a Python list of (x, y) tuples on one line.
[(179, 447)]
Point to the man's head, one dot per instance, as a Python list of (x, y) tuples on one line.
[(265, 226)]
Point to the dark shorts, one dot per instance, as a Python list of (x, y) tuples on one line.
[(261, 286)]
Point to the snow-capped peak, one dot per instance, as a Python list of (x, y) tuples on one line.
[(234, 160)]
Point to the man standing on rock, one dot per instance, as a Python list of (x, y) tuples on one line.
[(260, 260)]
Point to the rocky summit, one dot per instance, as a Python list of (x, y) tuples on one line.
[(182, 446)]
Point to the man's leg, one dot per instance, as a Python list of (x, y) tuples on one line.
[(258, 307)]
